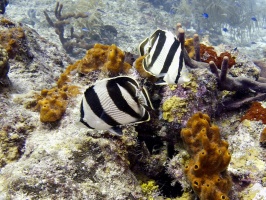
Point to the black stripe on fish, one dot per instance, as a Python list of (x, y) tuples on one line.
[(117, 97), (146, 116), (93, 101), (142, 45), (82, 116), (159, 46), (146, 96), (170, 57), (181, 63)]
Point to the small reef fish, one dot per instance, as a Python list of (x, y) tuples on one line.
[(112, 102), (85, 29), (164, 57), (100, 10), (205, 15), (225, 29), (254, 19)]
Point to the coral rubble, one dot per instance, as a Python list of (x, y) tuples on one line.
[(210, 157)]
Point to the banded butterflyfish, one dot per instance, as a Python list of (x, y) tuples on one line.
[(164, 58), (112, 102)]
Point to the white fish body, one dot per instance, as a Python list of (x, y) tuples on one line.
[(113, 102), (164, 57)]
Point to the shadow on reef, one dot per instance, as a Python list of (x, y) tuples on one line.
[(150, 147)]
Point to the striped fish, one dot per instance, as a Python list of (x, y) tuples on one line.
[(164, 57), (113, 102)]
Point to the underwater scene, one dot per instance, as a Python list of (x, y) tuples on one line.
[(133, 100)]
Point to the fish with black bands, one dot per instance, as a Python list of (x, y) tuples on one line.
[(164, 58), (112, 102)]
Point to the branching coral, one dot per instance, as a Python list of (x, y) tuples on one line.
[(59, 25), (239, 84), (206, 170), (84, 40)]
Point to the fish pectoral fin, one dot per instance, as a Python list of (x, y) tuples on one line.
[(116, 130)]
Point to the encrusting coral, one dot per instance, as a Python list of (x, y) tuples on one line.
[(207, 53), (240, 84), (4, 67), (9, 150), (263, 138), (172, 107), (255, 113), (13, 39), (206, 170)]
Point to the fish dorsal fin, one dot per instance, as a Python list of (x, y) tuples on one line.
[(147, 43)]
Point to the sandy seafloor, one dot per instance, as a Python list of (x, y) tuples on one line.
[(248, 158)]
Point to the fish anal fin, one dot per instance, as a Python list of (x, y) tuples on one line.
[(116, 130)]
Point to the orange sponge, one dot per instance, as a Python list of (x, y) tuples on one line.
[(52, 105), (210, 157), (104, 57)]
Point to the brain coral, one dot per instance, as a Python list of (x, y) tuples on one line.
[(206, 170)]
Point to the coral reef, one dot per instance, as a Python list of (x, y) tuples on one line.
[(263, 138), (52, 103), (206, 170), (59, 25), (149, 188), (14, 40), (75, 42), (256, 112), (208, 53), (9, 150), (178, 102), (107, 59), (4, 67), (240, 84), (172, 107)]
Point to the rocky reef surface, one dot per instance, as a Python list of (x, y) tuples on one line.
[(59, 159)]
